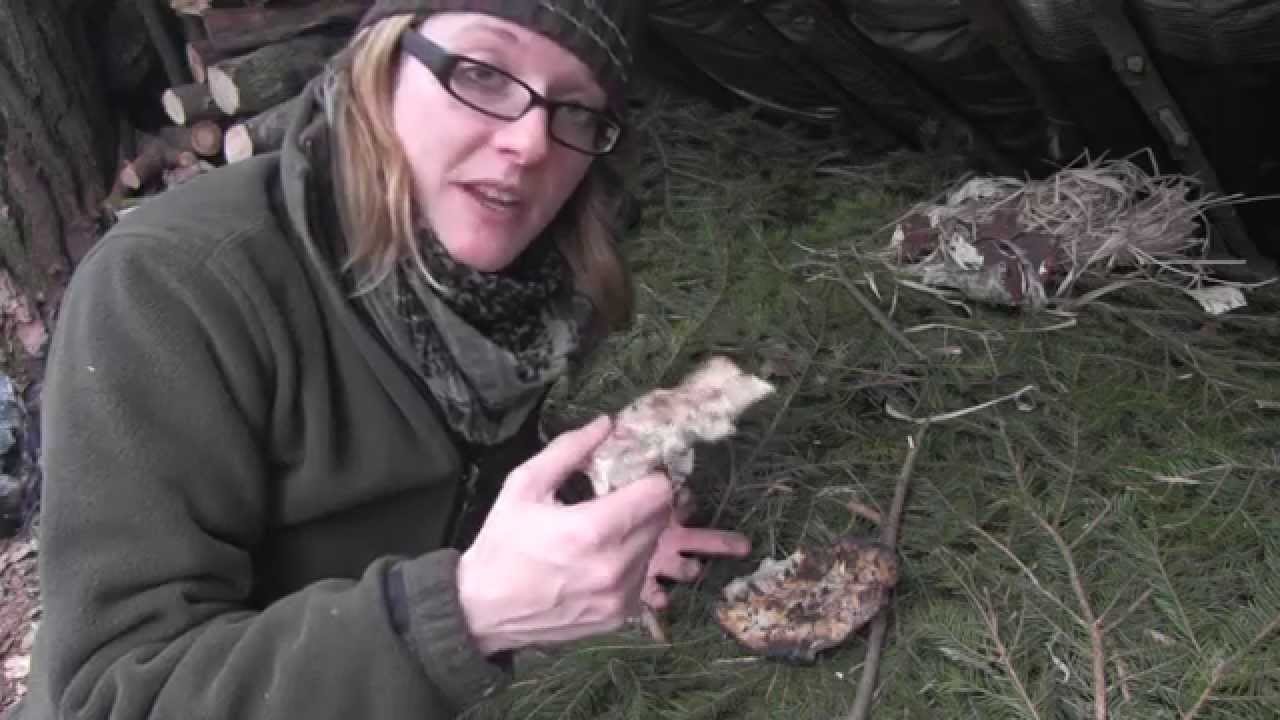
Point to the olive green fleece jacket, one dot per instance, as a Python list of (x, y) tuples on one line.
[(241, 480)]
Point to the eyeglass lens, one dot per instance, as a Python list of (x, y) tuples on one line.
[(493, 91)]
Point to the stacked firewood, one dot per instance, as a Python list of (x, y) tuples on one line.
[(234, 69)]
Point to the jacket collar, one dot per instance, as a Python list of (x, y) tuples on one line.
[(307, 194)]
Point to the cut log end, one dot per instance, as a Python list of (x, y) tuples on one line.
[(237, 145), (173, 107), (189, 104), (224, 91), (206, 138)]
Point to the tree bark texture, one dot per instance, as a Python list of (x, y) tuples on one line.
[(57, 145)]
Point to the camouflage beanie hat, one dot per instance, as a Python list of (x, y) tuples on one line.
[(602, 33)]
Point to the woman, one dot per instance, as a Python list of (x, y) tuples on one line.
[(283, 397)]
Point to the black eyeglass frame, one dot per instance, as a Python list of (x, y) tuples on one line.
[(442, 63)]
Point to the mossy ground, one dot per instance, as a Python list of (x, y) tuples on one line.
[(1149, 445)]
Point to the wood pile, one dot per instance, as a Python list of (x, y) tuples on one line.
[(233, 66)]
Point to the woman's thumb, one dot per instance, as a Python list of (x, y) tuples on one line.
[(541, 475)]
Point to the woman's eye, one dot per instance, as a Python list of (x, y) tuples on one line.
[(480, 77), (580, 116)]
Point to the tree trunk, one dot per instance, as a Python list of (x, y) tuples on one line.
[(57, 151)]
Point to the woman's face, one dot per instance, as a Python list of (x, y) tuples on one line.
[(489, 186)]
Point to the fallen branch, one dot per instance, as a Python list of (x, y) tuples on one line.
[(889, 538)]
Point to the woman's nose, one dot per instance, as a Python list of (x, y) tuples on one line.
[(526, 137)]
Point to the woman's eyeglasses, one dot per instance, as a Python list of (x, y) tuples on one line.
[(496, 93)]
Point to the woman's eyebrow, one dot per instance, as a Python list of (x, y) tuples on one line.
[(496, 33), (481, 31)]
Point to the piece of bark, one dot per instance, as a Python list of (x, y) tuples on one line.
[(268, 76), (239, 30), (203, 138), (189, 104), (259, 134), (154, 157)]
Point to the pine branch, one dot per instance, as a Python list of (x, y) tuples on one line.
[(1026, 571), (1092, 623), (879, 626), (991, 623), (1225, 667), (876, 314)]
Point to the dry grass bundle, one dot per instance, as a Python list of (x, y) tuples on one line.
[(1028, 243)]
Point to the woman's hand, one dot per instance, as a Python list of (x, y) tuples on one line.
[(671, 558), (543, 572)]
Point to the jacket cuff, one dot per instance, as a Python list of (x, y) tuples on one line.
[(423, 597)]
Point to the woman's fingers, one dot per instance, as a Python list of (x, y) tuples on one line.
[(654, 596), (704, 541), (636, 505), (540, 476), (684, 570)]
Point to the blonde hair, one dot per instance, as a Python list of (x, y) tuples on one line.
[(376, 186)]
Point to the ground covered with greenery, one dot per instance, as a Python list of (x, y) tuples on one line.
[(1109, 530)]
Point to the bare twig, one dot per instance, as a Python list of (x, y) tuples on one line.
[(880, 625), (864, 511), (1225, 667), (899, 415), (889, 531)]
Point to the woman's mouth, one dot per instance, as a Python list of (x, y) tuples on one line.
[(494, 197)]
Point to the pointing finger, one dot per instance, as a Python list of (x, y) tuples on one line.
[(703, 541)]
